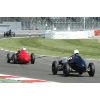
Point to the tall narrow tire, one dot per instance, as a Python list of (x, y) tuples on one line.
[(91, 68), (32, 58), (54, 67), (8, 58), (66, 69)]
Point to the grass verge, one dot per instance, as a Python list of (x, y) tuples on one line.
[(9, 81), (88, 48)]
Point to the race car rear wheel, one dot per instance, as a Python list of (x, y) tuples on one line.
[(54, 67), (91, 68), (14, 58), (4, 34), (66, 69), (32, 58), (8, 58)]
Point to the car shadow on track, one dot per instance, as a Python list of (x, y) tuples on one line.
[(70, 75), (20, 63)]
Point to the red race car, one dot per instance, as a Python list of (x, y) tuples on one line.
[(22, 57)]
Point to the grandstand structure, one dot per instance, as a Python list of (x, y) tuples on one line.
[(57, 23)]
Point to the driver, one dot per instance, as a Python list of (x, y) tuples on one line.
[(21, 50), (76, 53)]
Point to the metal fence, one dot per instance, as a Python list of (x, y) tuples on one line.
[(57, 23)]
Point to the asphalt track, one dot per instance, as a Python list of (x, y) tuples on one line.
[(42, 70)]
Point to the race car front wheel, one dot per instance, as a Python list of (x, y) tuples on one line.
[(4, 34), (8, 58), (54, 67)]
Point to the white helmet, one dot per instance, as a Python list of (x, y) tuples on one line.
[(24, 48), (76, 52)]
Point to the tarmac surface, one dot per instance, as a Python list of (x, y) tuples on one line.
[(42, 70)]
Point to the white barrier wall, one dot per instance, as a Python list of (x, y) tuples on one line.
[(91, 33), (49, 34), (69, 34)]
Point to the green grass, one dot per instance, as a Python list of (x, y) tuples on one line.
[(88, 48), (9, 81)]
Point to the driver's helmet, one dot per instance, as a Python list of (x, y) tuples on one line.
[(76, 52), (23, 48)]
